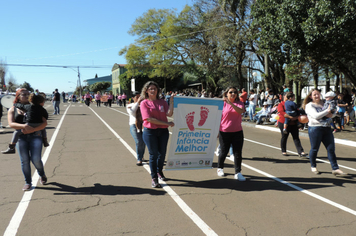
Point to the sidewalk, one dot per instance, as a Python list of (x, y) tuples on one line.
[(344, 137)]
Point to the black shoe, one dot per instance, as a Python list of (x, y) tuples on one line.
[(285, 154), (10, 150), (161, 177), (303, 155), (155, 183), (43, 179)]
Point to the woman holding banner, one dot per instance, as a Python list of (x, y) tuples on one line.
[(231, 131), (154, 115)]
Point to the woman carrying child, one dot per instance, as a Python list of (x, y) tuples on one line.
[(320, 132), (292, 128), (29, 145)]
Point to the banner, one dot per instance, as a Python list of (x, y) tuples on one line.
[(194, 136)]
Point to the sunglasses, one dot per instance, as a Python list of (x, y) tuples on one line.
[(231, 92)]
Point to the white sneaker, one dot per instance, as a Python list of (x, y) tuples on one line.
[(221, 172), (240, 177)]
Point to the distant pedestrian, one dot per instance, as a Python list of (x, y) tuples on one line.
[(123, 98), (97, 99), (56, 101), (87, 99), (110, 97), (119, 100), (252, 104)]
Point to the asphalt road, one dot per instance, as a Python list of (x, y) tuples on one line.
[(95, 188)]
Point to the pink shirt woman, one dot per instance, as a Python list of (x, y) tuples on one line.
[(231, 133), (154, 115)]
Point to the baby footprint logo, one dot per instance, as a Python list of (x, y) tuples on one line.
[(190, 120), (203, 115)]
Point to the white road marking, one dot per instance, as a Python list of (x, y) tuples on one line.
[(16, 219), (332, 203), (186, 209), (337, 140), (278, 148)]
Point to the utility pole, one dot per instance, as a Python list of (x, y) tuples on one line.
[(80, 86)]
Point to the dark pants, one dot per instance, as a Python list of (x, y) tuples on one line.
[(98, 103), (156, 141), (87, 101), (226, 139), (109, 102), (293, 129)]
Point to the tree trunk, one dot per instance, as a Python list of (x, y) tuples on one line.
[(315, 69), (337, 82)]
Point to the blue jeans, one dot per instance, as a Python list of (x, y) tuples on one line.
[(56, 107), (140, 145), (258, 118), (318, 135), (156, 141), (29, 147), (251, 110)]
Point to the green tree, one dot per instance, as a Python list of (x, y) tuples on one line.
[(99, 86), (27, 86), (308, 30)]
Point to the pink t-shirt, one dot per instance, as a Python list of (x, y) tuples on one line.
[(230, 119), (109, 96), (97, 96), (119, 97), (154, 109), (123, 96), (87, 96)]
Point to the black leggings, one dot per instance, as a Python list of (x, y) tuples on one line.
[(294, 130), (226, 139)]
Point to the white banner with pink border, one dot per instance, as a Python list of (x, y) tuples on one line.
[(194, 135)]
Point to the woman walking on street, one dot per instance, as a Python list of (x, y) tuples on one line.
[(123, 99), (87, 98), (320, 132), (154, 115), (29, 145), (292, 129), (97, 99), (135, 123), (110, 97), (231, 132)]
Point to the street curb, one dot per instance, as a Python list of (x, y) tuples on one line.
[(345, 142)]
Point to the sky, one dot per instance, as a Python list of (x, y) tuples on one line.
[(68, 34)]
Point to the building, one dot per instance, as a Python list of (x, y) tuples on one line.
[(116, 71), (100, 79)]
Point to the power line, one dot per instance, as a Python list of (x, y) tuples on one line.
[(57, 66)]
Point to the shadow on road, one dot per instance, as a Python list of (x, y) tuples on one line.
[(98, 189), (256, 183)]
